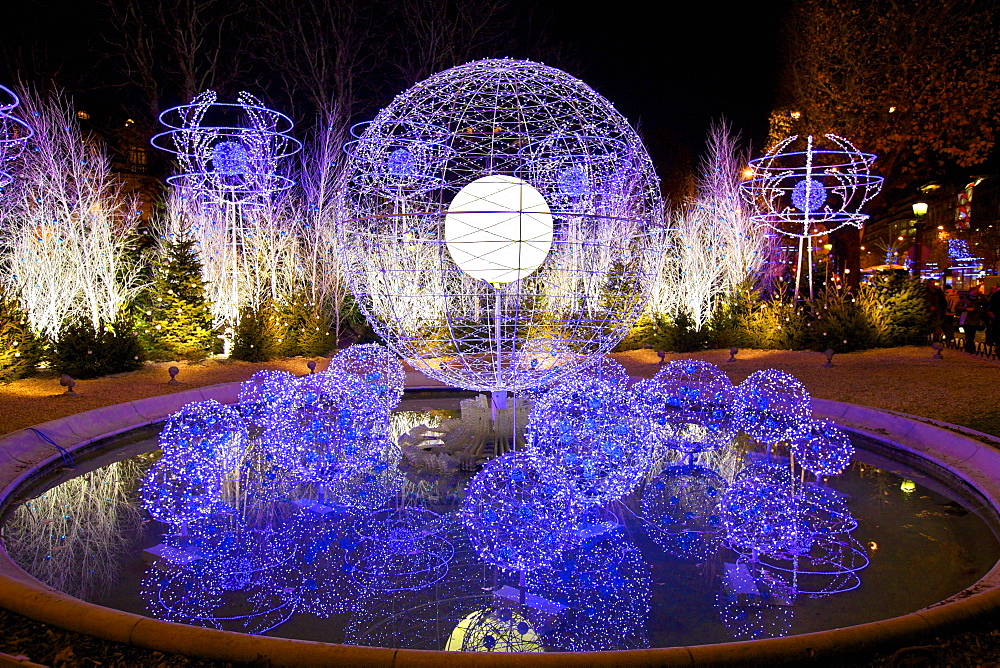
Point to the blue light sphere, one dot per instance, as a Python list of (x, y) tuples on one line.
[(681, 509), (604, 587), (206, 435), (808, 195), (591, 429), (518, 511), (822, 448), (230, 158), (691, 405), (266, 394), (760, 517), (772, 406)]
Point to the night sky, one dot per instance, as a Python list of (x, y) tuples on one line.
[(669, 67)]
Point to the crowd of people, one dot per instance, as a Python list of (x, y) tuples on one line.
[(968, 312)]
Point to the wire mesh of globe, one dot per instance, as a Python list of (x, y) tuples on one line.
[(14, 134), (809, 186), (503, 224)]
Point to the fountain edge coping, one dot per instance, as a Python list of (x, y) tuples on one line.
[(965, 453)]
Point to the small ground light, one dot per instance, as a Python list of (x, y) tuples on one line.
[(311, 364), (173, 371), (732, 354), (937, 349), (68, 382), (908, 486), (829, 358)]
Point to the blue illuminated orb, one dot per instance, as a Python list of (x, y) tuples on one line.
[(808, 195), (822, 448), (603, 587), (772, 406), (681, 509), (691, 405), (230, 158), (590, 427), (518, 511)]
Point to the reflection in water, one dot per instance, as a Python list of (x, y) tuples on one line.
[(74, 536)]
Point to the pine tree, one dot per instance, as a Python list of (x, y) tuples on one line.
[(173, 319)]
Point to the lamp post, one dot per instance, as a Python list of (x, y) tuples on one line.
[(919, 210)]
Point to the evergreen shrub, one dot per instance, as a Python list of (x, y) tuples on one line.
[(257, 335), (84, 352), (173, 319)]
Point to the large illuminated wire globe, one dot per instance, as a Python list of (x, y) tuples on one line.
[(503, 224)]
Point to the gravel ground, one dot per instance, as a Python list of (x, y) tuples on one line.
[(961, 389)]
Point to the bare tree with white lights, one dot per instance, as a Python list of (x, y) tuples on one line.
[(67, 226)]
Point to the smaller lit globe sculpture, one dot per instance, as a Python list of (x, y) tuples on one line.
[(773, 406), (692, 406), (604, 586), (518, 512), (822, 448), (228, 152), (809, 186), (681, 509), (592, 430), (503, 225), (14, 134)]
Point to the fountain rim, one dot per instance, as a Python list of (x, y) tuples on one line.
[(972, 457)]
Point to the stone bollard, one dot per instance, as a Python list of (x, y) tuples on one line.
[(173, 371), (68, 382), (829, 358)]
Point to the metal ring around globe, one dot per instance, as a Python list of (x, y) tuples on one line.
[(285, 122)]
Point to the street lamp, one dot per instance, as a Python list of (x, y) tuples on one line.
[(919, 210)]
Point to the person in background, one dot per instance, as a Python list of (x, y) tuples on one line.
[(948, 322), (971, 316), (937, 305), (993, 313)]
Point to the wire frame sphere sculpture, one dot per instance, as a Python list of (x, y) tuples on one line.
[(14, 134), (228, 152), (591, 429), (518, 512), (503, 222), (773, 406), (809, 186), (760, 517), (822, 448), (691, 404), (681, 510), (603, 587)]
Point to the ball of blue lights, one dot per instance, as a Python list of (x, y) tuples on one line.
[(590, 427), (772, 406), (691, 406), (681, 509), (518, 511), (822, 448)]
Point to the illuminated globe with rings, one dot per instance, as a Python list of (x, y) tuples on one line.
[(502, 225)]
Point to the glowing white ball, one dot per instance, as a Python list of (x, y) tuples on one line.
[(498, 229)]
